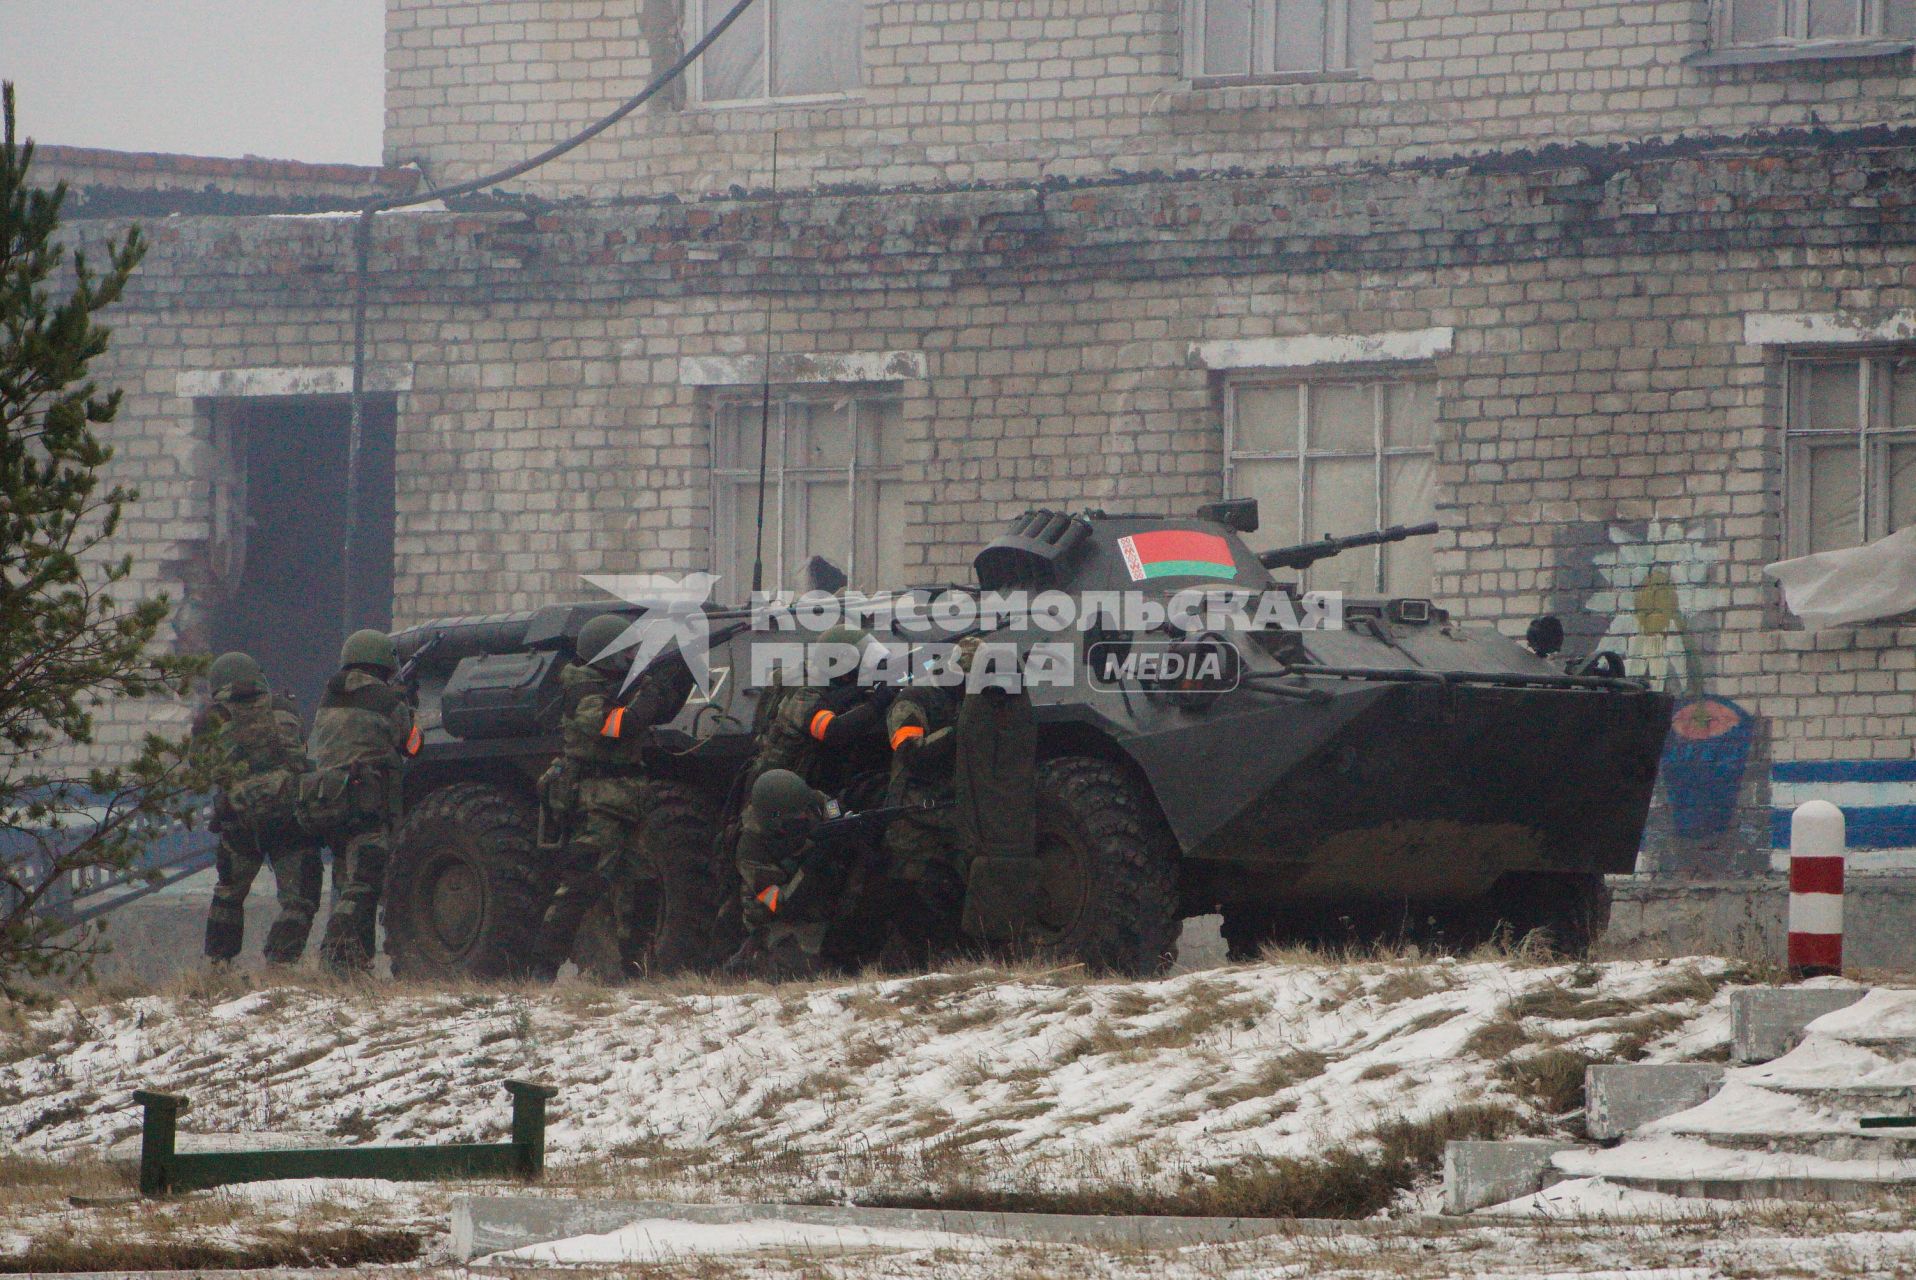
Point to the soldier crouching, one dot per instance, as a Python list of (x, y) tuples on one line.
[(787, 919), (254, 814)]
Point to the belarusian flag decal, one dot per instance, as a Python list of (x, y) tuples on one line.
[(1177, 553)]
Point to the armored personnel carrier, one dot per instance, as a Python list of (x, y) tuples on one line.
[(1401, 774)]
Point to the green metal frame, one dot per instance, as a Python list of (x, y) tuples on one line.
[(163, 1170)]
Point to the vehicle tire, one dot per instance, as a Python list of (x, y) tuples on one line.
[(467, 884), (1108, 871), (679, 838)]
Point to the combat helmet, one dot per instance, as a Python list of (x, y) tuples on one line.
[(779, 798), (231, 669), (369, 648), (842, 634), (598, 635)]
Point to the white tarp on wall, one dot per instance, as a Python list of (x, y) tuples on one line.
[(1860, 584)]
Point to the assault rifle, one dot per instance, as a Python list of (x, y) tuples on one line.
[(410, 667), (1306, 554)]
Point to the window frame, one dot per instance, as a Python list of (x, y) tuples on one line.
[(1873, 22), (701, 13), (1337, 54), (1375, 379), (727, 481), (1875, 422)]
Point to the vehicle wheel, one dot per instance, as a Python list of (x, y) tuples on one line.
[(1571, 910), (466, 886), (1107, 871), (679, 839)]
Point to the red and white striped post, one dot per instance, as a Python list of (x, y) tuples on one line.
[(1817, 848)]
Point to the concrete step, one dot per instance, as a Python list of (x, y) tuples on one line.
[(1697, 1169), (1767, 1022), (1620, 1098)]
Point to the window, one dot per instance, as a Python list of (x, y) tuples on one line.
[(780, 49), (832, 488), (1850, 466), (1759, 23), (1252, 39), (1338, 457)]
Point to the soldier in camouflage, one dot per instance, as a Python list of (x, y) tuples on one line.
[(363, 735), (811, 731), (926, 865), (598, 790), (787, 931), (254, 813)]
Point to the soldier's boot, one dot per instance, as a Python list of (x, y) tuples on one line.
[(225, 929), (559, 927), (347, 948), (286, 940)]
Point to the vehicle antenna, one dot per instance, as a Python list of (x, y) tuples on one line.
[(765, 395)]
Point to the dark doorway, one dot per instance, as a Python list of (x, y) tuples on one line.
[(283, 577)]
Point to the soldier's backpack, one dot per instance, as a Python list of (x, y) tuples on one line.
[(262, 739)]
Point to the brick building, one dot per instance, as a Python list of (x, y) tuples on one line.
[(1623, 292)]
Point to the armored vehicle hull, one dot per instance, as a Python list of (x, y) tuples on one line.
[(1398, 774)]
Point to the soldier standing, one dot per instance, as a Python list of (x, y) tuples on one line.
[(363, 734), (254, 814), (926, 865), (598, 788)]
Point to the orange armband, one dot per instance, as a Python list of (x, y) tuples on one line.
[(614, 723), (906, 733), (821, 721), (414, 741)]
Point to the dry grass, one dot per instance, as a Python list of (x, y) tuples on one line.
[(1551, 1081), (1353, 1181), (274, 1247)]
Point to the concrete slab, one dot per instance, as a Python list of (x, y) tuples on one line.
[(1619, 1097), (484, 1225), (1479, 1173), (1767, 1022)]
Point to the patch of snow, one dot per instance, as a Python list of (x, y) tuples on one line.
[(663, 1239)]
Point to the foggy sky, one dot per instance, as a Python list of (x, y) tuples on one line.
[(287, 79)]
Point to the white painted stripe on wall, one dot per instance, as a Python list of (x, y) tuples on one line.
[(820, 366), (1825, 328), (1816, 913), (291, 380), (1844, 795), (1857, 860), (1313, 349)]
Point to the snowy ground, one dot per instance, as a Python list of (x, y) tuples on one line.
[(952, 1088)]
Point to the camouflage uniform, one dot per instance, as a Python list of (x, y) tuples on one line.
[(363, 735), (599, 790), (255, 821), (806, 723), (926, 864), (786, 937)]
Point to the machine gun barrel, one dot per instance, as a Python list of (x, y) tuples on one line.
[(1306, 554)]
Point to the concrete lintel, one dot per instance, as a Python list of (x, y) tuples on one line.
[(300, 380), (1826, 328), (1314, 349), (1767, 1022), (827, 366), (1620, 1097), (1479, 1173)]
